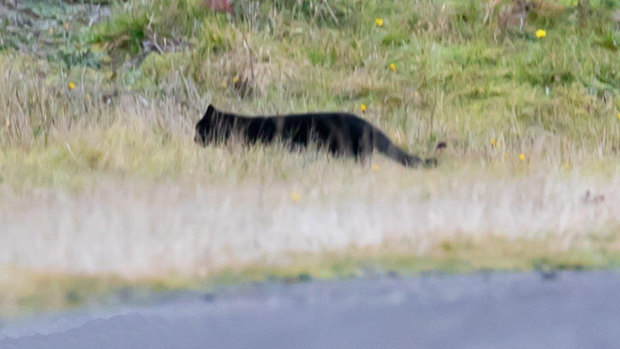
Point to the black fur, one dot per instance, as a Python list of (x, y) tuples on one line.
[(339, 133)]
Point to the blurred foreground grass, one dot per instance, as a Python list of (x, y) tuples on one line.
[(31, 292)]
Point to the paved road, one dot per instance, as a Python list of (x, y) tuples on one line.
[(526, 310)]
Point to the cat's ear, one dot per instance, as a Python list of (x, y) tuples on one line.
[(210, 110)]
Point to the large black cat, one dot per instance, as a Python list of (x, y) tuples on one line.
[(339, 133)]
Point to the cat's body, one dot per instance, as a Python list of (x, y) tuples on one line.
[(339, 133)]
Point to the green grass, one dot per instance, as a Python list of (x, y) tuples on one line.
[(457, 78)]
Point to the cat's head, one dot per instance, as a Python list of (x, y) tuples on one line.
[(206, 127)]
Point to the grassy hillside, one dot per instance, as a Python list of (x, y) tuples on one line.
[(99, 174), (461, 71)]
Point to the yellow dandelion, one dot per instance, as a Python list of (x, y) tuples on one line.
[(224, 84), (493, 142), (379, 22), (363, 108), (71, 86), (618, 116), (235, 79), (575, 3), (374, 168), (521, 156), (295, 197), (392, 66), (541, 33)]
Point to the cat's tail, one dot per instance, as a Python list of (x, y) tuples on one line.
[(384, 145)]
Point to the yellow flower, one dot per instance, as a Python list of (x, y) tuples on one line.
[(224, 84), (235, 79), (575, 3), (71, 86), (521, 156), (379, 22), (374, 168), (618, 116), (363, 108), (493, 142), (295, 197), (541, 33), (392, 66), (567, 165)]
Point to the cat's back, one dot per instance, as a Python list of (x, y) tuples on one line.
[(324, 118)]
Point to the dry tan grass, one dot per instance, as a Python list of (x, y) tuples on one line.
[(198, 228), (102, 180)]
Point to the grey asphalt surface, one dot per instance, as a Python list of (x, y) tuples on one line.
[(496, 310)]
